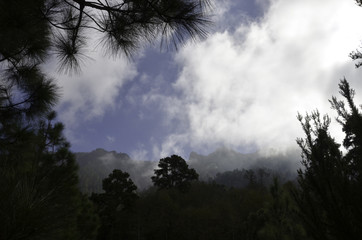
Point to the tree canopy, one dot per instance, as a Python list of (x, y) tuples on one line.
[(119, 191), (115, 204), (39, 196), (330, 182), (174, 172), (121, 26)]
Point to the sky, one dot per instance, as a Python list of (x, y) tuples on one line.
[(241, 87)]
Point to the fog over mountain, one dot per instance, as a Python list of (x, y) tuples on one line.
[(98, 164), (226, 159)]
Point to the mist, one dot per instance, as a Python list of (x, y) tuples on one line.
[(98, 164)]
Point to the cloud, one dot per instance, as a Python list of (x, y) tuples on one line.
[(111, 139), (88, 95), (95, 90), (140, 154), (243, 88)]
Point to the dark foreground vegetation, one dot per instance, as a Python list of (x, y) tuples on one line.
[(40, 198), (39, 193)]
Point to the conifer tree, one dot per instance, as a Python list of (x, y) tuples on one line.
[(39, 197), (330, 182), (280, 214), (174, 172), (114, 206)]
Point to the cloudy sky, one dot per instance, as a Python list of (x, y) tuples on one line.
[(242, 87)]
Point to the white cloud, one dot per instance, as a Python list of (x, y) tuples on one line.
[(95, 90), (111, 139), (139, 154), (92, 92), (244, 88)]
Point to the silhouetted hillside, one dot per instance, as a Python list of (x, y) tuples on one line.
[(225, 159), (98, 164), (222, 166)]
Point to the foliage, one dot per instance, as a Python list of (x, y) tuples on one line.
[(119, 191), (24, 90), (243, 178), (87, 221), (357, 54), (206, 211), (30, 29), (280, 215), (39, 198), (174, 172), (330, 183), (124, 25), (115, 204)]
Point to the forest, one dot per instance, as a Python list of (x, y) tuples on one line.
[(41, 193)]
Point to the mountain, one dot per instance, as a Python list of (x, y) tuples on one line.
[(96, 165), (221, 160), (225, 159)]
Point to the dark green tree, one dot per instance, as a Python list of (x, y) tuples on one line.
[(250, 176), (24, 44), (174, 172), (39, 196), (280, 215), (114, 206), (88, 220), (206, 211), (330, 192), (119, 190)]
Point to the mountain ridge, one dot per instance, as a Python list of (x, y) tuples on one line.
[(96, 165)]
